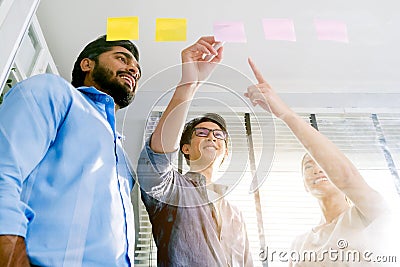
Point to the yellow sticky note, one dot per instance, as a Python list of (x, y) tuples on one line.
[(169, 30), (122, 28)]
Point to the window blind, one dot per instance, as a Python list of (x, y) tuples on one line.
[(287, 209)]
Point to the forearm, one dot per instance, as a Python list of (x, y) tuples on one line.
[(13, 251), (167, 133), (335, 164)]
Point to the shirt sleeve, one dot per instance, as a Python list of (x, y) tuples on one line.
[(154, 168), (156, 176), (29, 117)]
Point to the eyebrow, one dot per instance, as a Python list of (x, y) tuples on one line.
[(130, 57)]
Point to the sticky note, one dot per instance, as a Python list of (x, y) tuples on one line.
[(332, 30), (279, 29), (122, 28), (230, 31), (170, 29)]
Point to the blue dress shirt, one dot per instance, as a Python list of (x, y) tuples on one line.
[(65, 181)]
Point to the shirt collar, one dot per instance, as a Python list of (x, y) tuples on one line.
[(91, 89), (200, 180), (96, 95)]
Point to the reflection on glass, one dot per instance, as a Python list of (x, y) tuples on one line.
[(28, 52)]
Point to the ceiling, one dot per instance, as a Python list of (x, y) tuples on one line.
[(369, 62), (303, 72)]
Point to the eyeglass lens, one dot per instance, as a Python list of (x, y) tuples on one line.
[(203, 132)]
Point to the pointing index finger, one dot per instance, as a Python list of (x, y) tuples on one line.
[(256, 72)]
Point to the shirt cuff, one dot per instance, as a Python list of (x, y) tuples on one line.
[(14, 219)]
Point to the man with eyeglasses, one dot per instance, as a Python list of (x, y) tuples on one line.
[(193, 225)]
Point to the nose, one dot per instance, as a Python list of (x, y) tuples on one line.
[(211, 136), (317, 169), (134, 70)]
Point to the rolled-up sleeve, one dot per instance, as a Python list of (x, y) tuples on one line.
[(153, 168), (156, 177), (29, 117)]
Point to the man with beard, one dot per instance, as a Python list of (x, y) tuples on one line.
[(65, 182)]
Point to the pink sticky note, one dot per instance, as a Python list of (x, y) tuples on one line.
[(230, 32), (332, 30), (279, 29)]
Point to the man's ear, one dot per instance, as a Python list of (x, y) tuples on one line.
[(185, 149), (87, 64)]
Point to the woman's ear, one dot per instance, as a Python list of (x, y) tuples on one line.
[(86, 64), (305, 186)]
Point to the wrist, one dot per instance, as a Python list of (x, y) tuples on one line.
[(185, 92), (13, 251), (187, 86)]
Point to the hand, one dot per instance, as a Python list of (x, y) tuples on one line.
[(263, 95), (195, 68)]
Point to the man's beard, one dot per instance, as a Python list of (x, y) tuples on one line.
[(110, 85)]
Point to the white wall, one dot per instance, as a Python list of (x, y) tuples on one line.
[(15, 17)]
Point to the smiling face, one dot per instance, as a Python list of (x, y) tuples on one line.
[(315, 180), (115, 73), (206, 150)]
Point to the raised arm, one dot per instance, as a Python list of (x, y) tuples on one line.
[(338, 168), (195, 70)]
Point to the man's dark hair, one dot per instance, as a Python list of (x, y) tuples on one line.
[(189, 128), (93, 50)]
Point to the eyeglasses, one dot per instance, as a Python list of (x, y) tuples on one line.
[(203, 132)]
